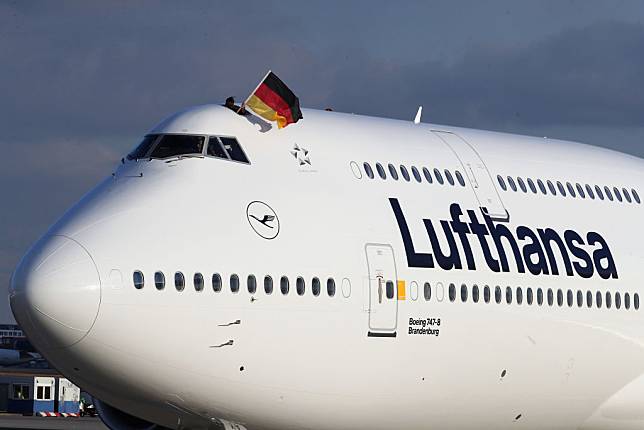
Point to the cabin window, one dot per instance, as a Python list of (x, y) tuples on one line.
[(542, 187), (636, 300), (599, 193), (174, 145), (618, 196), (284, 285), (159, 280), (143, 148), (427, 290), (627, 300), (428, 176), (580, 298), (618, 300), (216, 282), (452, 292), (393, 172), (532, 187), (268, 284), (508, 295), (589, 191), (609, 300), (381, 171), (251, 283), (636, 196), (559, 297), (529, 297), (486, 294), (551, 297), (179, 281), (475, 293), (368, 170), (437, 175), (463, 293), (513, 186), (519, 295), (389, 287), (501, 182), (589, 299), (539, 296), (234, 283), (460, 178), (330, 288), (449, 177), (551, 187), (522, 185), (138, 279), (598, 299), (299, 286), (580, 191), (414, 171), (609, 195), (404, 173), (498, 294), (571, 189), (569, 298), (561, 189), (626, 195), (315, 286), (197, 280)]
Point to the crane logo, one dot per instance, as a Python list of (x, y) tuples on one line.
[(263, 220), (266, 220)]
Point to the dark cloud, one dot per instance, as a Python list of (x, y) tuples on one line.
[(582, 77), (80, 82)]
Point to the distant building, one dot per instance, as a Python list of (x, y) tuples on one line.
[(12, 337), (11, 331), (32, 393)]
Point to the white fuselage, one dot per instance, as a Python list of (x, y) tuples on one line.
[(377, 354)]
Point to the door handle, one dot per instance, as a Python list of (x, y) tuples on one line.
[(473, 180)]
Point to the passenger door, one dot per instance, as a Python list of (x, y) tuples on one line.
[(478, 175), (383, 294)]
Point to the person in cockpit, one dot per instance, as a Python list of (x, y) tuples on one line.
[(230, 104)]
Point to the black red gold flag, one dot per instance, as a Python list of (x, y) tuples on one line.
[(274, 101)]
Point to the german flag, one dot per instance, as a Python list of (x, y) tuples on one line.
[(274, 101)]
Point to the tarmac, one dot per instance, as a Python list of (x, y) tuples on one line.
[(11, 422)]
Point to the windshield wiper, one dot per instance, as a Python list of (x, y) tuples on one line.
[(184, 156)]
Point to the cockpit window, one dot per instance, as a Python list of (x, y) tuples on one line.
[(144, 147), (215, 149), (172, 145), (234, 149), (226, 147), (161, 146)]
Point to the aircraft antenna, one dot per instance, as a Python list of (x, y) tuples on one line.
[(418, 115)]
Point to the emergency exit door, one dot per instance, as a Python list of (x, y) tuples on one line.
[(478, 175), (383, 294)]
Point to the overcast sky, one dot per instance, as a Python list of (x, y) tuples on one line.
[(80, 82)]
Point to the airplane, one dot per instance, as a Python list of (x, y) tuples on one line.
[(412, 276)]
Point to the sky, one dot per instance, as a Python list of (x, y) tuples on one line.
[(81, 82)]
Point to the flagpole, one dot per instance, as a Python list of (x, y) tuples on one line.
[(253, 92)]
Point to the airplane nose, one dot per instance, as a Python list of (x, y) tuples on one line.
[(55, 292)]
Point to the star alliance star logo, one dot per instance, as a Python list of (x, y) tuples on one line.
[(301, 155)]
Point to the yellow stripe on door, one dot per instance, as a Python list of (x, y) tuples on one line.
[(401, 290)]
